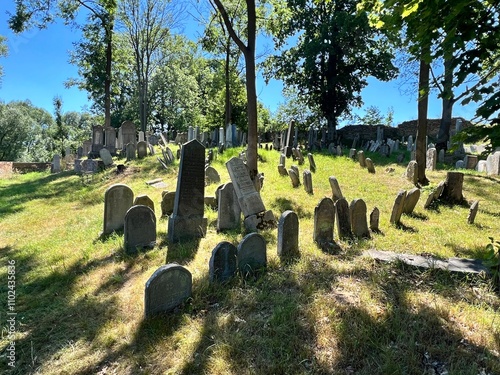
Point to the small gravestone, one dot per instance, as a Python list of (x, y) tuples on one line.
[(357, 214), (300, 157), (307, 181), (251, 254), (282, 170), (294, 177), (493, 164), (374, 220), (441, 156), (362, 158), (352, 153), (169, 287), (228, 211), (288, 235), (431, 159), (56, 164), (369, 165), (453, 184), (411, 200), (117, 201), (481, 166), (106, 157), (295, 168), (470, 161), (412, 172), (170, 154), (130, 153), (282, 159), (473, 212), (397, 209), (400, 158), (312, 164), (211, 175), (343, 219), (167, 203), (336, 192), (459, 164), (223, 262), (324, 220), (144, 200), (142, 149), (139, 229)]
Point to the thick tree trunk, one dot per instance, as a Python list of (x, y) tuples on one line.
[(107, 80), (332, 128), (252, 114), (423, 102), (448, 101)]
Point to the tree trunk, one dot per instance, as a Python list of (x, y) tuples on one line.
[(228, 92), (423, 102), (446, 114), (107, 80)]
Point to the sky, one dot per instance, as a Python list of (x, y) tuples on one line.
[(38, 65)]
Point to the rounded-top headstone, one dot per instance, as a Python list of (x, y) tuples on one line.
[(139, 228), (288, 234), (222, 265), (252, 255), (117, 200)]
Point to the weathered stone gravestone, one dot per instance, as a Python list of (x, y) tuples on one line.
[(481, 166), (256, 216), (288, 235), (223, 262), (142, 149), (441, 156), (187, 220), (470, 161), (336, 192), (473, 212), (282, 159), (324, 220), (139, 229), (307, 181), (110, 139), (312, 164), (357, 214), (282, 170), (362, 158), (228, 211), (251, 254), (493, 164), (374, 220), (127, 134), (352, 153), (411, 200), (369, 165), (169, 287), (397, 209), (144, 200), (453, 185), (211, 175), (412, 172), (343, 218), (299, 156), (97, 139), (459, 164), (56, 164), (130, 153), (106, 157), (295, 168), (431, 159), (117, 201), (167, 203), (294, 177)]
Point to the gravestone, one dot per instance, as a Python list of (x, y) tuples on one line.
[(87, 147), (431, 157), (118, 199), (144, 200), (223, 262), (97, 139), (412, 172), (453, 185), (128, 133), (470, 161), (139, 229), (187, 220), (324, 220), (90, 166), (312, 164), (343, 218), (397, 209), (169, 287), (106, 157), (289, 140), (473, 212), (228, 211), (352, 153), (459, 164), (339, 150), (369, 165), (282, 170), (282, 159), (294, 177), (288, 235), (493, 164), (357, 214), (411, 200), (481, 166), (167, 203), (295, 168), (361, 158), (130, 153), (299, 156), (251, 254), (110, 139), (441, 156), (141, 136), (307, 181), (56, 164), (142, 149), (374, 220), (336, 192), (211, 175)]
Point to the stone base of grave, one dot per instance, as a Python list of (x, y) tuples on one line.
[(262, 220), (180, 227)]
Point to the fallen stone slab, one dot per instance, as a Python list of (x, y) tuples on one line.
[(462, 265), (157, 183)]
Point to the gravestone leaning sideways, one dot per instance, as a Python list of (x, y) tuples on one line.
[(411, 200), (397, 209)]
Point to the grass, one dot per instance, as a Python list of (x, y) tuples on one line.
[(79, 297)]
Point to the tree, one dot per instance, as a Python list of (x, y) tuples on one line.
[(336, 51), (3, 52)]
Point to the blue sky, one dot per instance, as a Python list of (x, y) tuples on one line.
[(37, 67)]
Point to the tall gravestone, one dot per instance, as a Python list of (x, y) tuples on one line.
[(343, 218), (431, 159), (223, 262), (294, 177), (229, 211), (493, 164), (397, 209), (169, 287), (139, 229), (110, 139), (251, 254), (187, 220), (312, 164), (289, 139), (307, 181), (128, 133), (336, 192), (56, 164), (97, 139), (324, 220), (362, 158), (357, 214), (288, 235), (117, 201)]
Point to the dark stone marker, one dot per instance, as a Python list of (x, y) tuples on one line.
[(139, 229), (472, 212), (343, 218), (222, 265), (170, 286), (362, 159), (117, 200), (211, 175), (336, 192), (187, 220), (369, 165), (252, 255), (142, 149), (324, 220), (144, 200), (282, 170), (228, 211), (357, 213), (288, 235), (312, 164), (294, 177), (374, 220), (307, 181)]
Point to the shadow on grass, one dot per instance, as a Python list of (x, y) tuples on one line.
[(284, 204), (182, 252), (406, 228)]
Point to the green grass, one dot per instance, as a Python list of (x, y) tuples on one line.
[(79, 298)]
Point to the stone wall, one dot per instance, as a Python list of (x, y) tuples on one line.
[(7, 167)]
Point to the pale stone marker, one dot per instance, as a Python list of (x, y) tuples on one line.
[(229, 211), (167, 203), (493, 164), (110, 139), (139, 229), (307, 181), (144, 200), (142, 149), (412, 172), (106, 157), (397, 209), (324, 220), (352, 153), (411, 200), (294, 177), (117, 201), (336, 192), (362, 158), (169, 286), (223, 262), (56, 164), (430, 163), (473, 212), (343, 218), (459, 164), (128, 133), (312, 164), (187, 220), (481, 166), (374, 220), (252, 256), (211, 175), (357, 214), (369, 165), (288, 235)]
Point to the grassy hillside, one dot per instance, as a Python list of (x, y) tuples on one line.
[(79, 298)]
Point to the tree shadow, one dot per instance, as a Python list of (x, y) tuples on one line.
[(182, 252), (418, 216), (406, 228), (284, 204)]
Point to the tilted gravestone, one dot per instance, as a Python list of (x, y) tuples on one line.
[(343, 218), (374, 220), (251, 254), (106, 157), (294, 177), (142, 149), (288, 235), (211, 175), (411, 200), (139, 229), (169, 287), (369, 165), (412, 172), (167, 203), (229, 211), (117, 201), (362, 158), (187, 219), (223, 262), (312, 164), (307, 181), (357, 214), (336, 192), (282, 170), (452, 191), (431, 159), (324, 220), (144, 200), (473, 212), (397, 209)]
